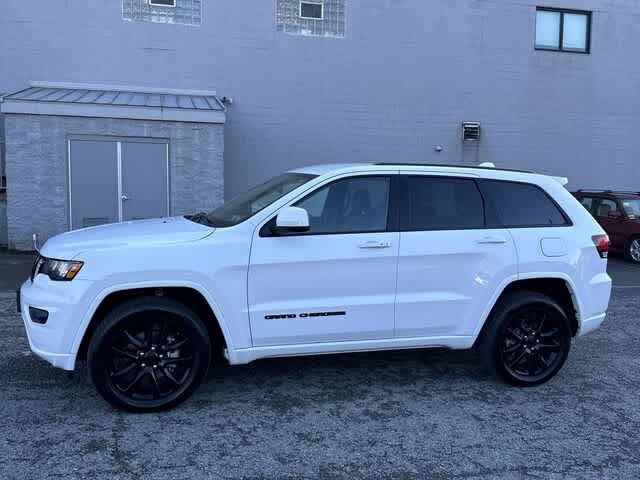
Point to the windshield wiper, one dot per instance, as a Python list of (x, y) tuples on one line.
[(200, 217)]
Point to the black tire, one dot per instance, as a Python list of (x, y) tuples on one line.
[(632, 252), (148, 354), (527, 339)]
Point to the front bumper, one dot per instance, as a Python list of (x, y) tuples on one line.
[(53, 341)]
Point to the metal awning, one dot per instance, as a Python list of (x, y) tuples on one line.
[(109, 101)]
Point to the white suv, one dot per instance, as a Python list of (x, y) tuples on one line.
[(335, 258)]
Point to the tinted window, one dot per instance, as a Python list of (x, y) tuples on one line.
[(512, 204), (442, 204), (588, 203), (606, 207), (351, 205)]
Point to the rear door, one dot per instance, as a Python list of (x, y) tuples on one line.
[(335, 282), (450, 264)]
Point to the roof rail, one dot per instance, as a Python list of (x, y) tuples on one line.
[(600, 190), (450, 165)]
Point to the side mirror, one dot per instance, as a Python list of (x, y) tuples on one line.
[(615, 215), (292, 220)]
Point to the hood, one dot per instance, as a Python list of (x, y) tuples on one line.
[(115, 235)]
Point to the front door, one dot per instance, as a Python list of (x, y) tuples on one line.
[(334, 283), (113, 181)]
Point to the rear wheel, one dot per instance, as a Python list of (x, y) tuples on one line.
[(633, 250), (149, 354), (528, 339)]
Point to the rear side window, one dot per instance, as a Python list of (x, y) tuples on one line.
[(513, 204), (442, 203)]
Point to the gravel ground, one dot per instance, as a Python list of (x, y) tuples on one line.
[(404, 415)]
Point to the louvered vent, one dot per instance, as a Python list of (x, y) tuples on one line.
[(471, 131)]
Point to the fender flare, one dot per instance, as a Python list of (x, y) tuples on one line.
[(529, 276), (122, 287)]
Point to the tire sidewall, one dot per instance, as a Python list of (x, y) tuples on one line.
[(98, 359)]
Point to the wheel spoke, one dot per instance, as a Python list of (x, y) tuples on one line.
[(512, 348), (177, 345), (543, 317), (179, 360), (124, 370), (124, 353), (156, 383), (514, 334), (170, 376), (516, 360), (551, 333), (133, 383), (135, 341), (551, 346)]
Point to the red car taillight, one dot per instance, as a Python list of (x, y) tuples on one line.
[(602, 244)]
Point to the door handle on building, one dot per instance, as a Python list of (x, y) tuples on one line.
[(375, 244), (492, 239), (124, 198)]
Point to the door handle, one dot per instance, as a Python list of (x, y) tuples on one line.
[(124, 198), (492, 239), (375, 244)]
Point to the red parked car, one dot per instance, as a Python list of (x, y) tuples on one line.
[(619, 214)]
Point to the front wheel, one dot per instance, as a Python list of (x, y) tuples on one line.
[(148, 354), (528, 339)]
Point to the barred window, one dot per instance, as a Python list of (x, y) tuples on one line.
[(183, 12), (321, 18)]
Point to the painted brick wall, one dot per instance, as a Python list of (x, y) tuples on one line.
[(37, 166), (404, 76)]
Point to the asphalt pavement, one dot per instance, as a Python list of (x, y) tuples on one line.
[(386, 415)]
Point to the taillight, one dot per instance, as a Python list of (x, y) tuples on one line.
[(602, 244)]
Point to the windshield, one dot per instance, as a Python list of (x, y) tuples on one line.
[(632, 208), (249, 203)]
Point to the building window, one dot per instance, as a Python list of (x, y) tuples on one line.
[(563, 30), (311, 10), (314, 18), (162, 3), (183, 12)]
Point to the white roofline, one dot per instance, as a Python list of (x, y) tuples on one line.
[(121, 88)]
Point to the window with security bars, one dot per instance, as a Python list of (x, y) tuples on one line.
[(321, 18), (183, 12)]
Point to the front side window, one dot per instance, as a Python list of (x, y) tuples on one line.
[(249, 203), (350, 205), (513, 204), (563, 30), (606, 207), (631, 208), (435, 203)]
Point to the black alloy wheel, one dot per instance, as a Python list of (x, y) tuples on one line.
[(149, 354), (528, 340)]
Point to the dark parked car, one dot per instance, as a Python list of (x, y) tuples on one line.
[(619, 215)]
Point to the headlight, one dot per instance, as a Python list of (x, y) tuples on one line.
[(59, 270)]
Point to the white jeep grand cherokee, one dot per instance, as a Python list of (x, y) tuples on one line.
[(335, 258)]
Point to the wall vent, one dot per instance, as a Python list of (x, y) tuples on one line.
[(471, 131)]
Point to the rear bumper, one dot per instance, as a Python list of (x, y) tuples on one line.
[(592, 323)]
